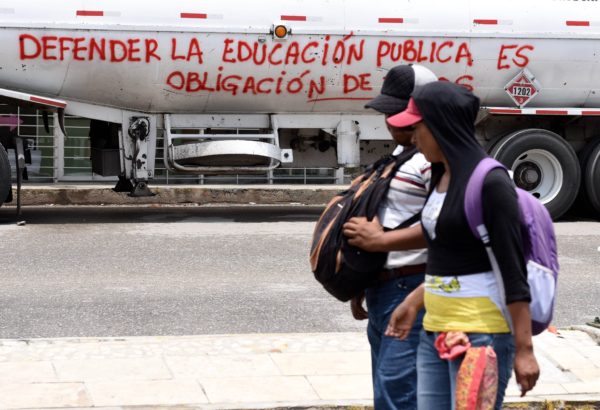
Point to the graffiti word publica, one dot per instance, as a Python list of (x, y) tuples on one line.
[(413, 51)]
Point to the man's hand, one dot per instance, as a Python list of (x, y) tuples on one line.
[(527, 370), (364, 234), (356, 305)]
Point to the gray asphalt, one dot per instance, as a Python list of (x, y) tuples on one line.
[(162, 271), (127, 271)]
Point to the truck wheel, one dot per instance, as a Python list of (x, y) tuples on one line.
[(489, 145), (4, 175), (544, 165), (583, 206), (591, 175)]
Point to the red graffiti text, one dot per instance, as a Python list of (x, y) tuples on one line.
[(516, 53), (420, 51), (87, 49)]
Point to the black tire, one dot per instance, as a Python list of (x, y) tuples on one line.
[(591, 176), (489, 145), (544, 164), (582, 206), (5, 182)]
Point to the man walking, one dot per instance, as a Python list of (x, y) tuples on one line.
[(394, 361)]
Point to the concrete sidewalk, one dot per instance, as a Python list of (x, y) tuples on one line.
[(246, 371)]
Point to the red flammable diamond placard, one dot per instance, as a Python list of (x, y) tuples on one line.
[(522, 88)]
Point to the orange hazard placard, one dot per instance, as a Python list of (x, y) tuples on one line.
[(522, 88)]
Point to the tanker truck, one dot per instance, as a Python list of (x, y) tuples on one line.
[(232, 86)]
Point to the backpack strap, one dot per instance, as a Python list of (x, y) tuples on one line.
[(409, 221), (385, 172), (474, 214), (473, 197)]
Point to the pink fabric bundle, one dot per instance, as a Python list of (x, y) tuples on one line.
[(477, 380), (451, 345)]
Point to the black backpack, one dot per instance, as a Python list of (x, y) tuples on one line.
[(342, 269)]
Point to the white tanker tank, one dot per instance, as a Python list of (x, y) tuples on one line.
[(278, 70)]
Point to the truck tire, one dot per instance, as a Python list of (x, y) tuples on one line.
[(583, 206), (591, 175), (5, 182), (543, 164), (489, 145)]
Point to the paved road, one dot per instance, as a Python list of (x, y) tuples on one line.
[(199, 270)]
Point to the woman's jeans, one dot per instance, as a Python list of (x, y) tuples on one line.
[(393, 361), (437, 377)]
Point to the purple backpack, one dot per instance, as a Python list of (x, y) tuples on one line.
[(539, 244)]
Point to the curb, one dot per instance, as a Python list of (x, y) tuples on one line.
[(535, 405), (179, 194), (554, 405)]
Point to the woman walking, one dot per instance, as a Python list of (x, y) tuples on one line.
[(460, 291)]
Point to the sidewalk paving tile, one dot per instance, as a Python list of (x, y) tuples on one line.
[(588, 374), (258, 389), (584, 343), (571, 398), (112, 369), (335, 363), (582, 387), (47, 395), (540, 389), (225, 371), (345, 387), (26, 372), (146, 393), (222, 366), (592, 353), (567, 357), (550, 373)]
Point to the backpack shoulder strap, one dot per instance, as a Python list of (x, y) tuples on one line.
[(406, 155), (474, 215), (415, 218), (473, 194), (384, 175)]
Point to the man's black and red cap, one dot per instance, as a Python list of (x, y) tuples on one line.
[(398, 85)]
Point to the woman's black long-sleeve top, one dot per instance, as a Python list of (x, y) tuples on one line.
[(455, 251)]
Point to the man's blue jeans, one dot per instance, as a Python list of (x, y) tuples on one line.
[(437, 377), (393, 361)]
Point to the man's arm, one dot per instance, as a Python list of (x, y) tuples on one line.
[(371, 237)]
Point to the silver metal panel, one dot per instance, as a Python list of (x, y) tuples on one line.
[(235, 147), (219, 121), (334, 61)]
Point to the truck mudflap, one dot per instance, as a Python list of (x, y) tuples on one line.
[(5, 185), (221, 153)]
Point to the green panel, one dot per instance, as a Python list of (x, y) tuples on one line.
[(77, 147)]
